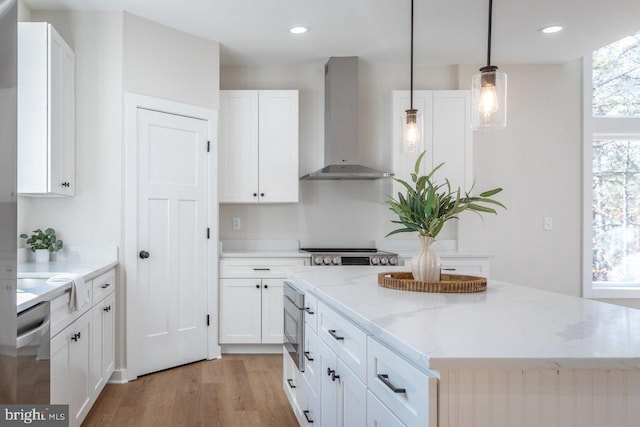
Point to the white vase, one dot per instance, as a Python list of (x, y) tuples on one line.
[(42, 255), (425, 265)]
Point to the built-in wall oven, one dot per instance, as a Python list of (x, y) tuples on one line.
[(294, 324)]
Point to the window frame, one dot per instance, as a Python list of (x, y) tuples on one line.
[(599, 128)]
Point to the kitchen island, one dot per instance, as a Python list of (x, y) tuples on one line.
[(510, 356)]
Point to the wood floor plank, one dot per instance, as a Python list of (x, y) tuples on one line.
[(235, 391)]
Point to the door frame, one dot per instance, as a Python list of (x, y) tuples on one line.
[(133, 102)]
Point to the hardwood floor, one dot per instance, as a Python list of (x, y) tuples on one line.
[(237, 390)]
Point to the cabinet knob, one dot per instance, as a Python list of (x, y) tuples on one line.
[(257, 286), (266, 286), (144, 254), (261, 194), (66, 184), (255, 194)]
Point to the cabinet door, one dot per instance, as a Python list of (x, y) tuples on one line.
[(46, 112), (60, 346), (379, 415), (352, 398), (240, 311), (102, 346), (278, 147), (80, 390), (238, 147), (61, 116), (452, 136), (327, 361), (272, 309)]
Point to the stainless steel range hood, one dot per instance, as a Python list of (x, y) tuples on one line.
[(341, 125)]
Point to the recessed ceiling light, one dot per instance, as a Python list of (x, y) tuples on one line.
[(551, 29), (298, 30)]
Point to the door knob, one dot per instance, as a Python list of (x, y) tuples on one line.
[(144, 254)]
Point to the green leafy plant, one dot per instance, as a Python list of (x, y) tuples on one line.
[(427, 206), (43, 240)]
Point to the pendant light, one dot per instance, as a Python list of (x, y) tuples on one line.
[(412, 120), (489, 93)]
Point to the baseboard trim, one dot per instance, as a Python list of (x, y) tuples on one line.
[(119, 376), (251, 348)]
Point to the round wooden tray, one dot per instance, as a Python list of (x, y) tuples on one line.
[(449, 283)]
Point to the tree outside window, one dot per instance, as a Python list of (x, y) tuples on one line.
[(616, 165)]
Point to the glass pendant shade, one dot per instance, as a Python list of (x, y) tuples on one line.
[(412, 131), (489, 99)]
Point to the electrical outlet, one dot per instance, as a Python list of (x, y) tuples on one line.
[(236, 223), (548, 223)]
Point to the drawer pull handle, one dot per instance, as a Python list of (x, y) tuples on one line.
[(332, 332), (308, 310), (385, 379), (306, 415), (261, 269), (105, 286), (289, 381), (306, 354), (448, 269)]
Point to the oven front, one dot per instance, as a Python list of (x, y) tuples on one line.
[(294, 324)]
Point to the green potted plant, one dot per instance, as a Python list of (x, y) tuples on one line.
[(42, 243), (426, 207)]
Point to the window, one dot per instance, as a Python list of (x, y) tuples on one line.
[(612, 171)]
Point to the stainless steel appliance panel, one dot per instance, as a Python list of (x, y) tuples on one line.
[(294, 324), (33, 339)]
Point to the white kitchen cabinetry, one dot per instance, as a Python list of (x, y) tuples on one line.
[(258, 146), (447, 136), (457, 264), (83, 347), (70, 367), (103, 325), (46, 112), (354, 380), (251, 292)]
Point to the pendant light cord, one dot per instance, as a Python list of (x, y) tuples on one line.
[(489, 38), (411, 72)]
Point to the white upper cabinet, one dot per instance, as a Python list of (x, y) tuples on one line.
[(46, 112), (447, 135), (258, 146)]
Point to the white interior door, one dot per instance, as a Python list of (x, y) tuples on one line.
[(172, 206)]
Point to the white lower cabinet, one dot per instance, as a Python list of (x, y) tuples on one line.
[(379, 415), (350, 379), (343, 396), (83, 347), (70, 367)]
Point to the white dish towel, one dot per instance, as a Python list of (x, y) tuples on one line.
[(79, 294)]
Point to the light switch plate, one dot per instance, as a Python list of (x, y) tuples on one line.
[(548, 223), (236, 223)]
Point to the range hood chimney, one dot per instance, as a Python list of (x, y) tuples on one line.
[(341, 124)]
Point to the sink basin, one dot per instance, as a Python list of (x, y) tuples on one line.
[(30, 283)]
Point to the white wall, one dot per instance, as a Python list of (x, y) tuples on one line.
[(349, 213), (165, 63)]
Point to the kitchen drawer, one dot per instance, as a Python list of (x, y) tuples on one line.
[(379, 415), (310, 407), (347, 340), (311, 372), (411, 398), (246, 268), (104, 285), (311, 311), (293, 385), (473, 266), (62, 315)]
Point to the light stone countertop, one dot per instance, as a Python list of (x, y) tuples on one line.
[(508, 326), (32, 277)]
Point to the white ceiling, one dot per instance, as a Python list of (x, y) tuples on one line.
[(446, 31)]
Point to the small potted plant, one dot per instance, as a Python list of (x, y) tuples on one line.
[(426, 207), (42, 243)]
